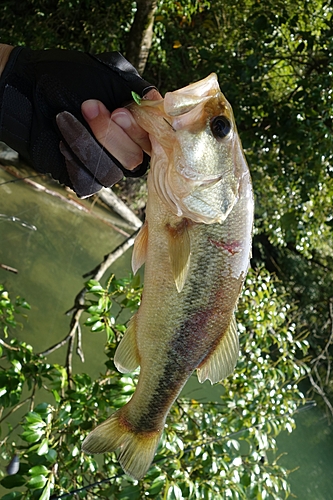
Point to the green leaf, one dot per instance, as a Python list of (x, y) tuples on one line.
[(94, 286), (91, 320), (12, 481), (46, 492), (37, 482), (51, 455), (37, 470), (44, 447), (13, 495), (98, 326), (95, 309), (132, 491), (157, 485), (56, 395), (33, 417), (31, 436), (43, 409)]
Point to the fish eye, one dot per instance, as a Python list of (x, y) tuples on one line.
[(220, 126)]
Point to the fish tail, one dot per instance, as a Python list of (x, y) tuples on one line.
[(137, 449)]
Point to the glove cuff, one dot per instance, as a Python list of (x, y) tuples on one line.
[(117, 63)]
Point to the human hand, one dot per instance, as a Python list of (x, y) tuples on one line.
[(5, 51), (118, 131), (40, 89)]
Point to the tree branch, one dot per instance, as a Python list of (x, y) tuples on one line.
[(325, 357), (14, 408), (109, 259), (141, 34), (79, 306), (8, 268), (71, 200), (118, 206)]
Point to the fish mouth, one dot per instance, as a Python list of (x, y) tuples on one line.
[(186, 99), (177, 108)]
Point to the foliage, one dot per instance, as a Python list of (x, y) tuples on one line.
[(209, 450), (88, 25), (8, 310)]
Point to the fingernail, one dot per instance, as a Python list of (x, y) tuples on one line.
[(122, 119), (90, 109)]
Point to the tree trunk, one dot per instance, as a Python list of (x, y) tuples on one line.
[(141, 34)]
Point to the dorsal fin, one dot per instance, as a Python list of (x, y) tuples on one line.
[(140, 248), (179, 252), (127, 357), (223, 359)]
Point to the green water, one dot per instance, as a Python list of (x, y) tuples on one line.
[(51, 261), (310, 449)]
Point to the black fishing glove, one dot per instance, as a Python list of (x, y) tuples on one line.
[(37, 85)]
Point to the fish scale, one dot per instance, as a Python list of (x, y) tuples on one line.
[(196, 245)]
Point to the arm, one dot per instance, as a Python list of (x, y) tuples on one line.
[(5, 51)]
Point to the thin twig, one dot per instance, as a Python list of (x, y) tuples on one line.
[(69, 358), (321, 393), (118, 206), (8, 268), (79, 350), (57, 345), (325, 357), (72, 201), (330, 340), (32, 397), (7, 346), (78, 309), (16, 407), (109, 259), (79, 306)]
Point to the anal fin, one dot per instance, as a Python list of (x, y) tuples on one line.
[(127, 357), (222, 360), (179, 252), (140, 248)]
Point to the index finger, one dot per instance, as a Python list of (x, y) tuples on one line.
[(124, 118)]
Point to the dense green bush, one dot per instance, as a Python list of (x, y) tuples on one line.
[(209, 449)]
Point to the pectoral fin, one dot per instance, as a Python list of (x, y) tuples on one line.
[(179, 252), (140, 248), (223, 359), (127, 357)]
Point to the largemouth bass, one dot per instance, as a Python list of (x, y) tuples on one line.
[(196, 245)]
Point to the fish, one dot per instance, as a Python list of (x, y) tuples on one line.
[(196, 247)]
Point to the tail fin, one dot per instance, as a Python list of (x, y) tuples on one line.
[(137, 449)]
